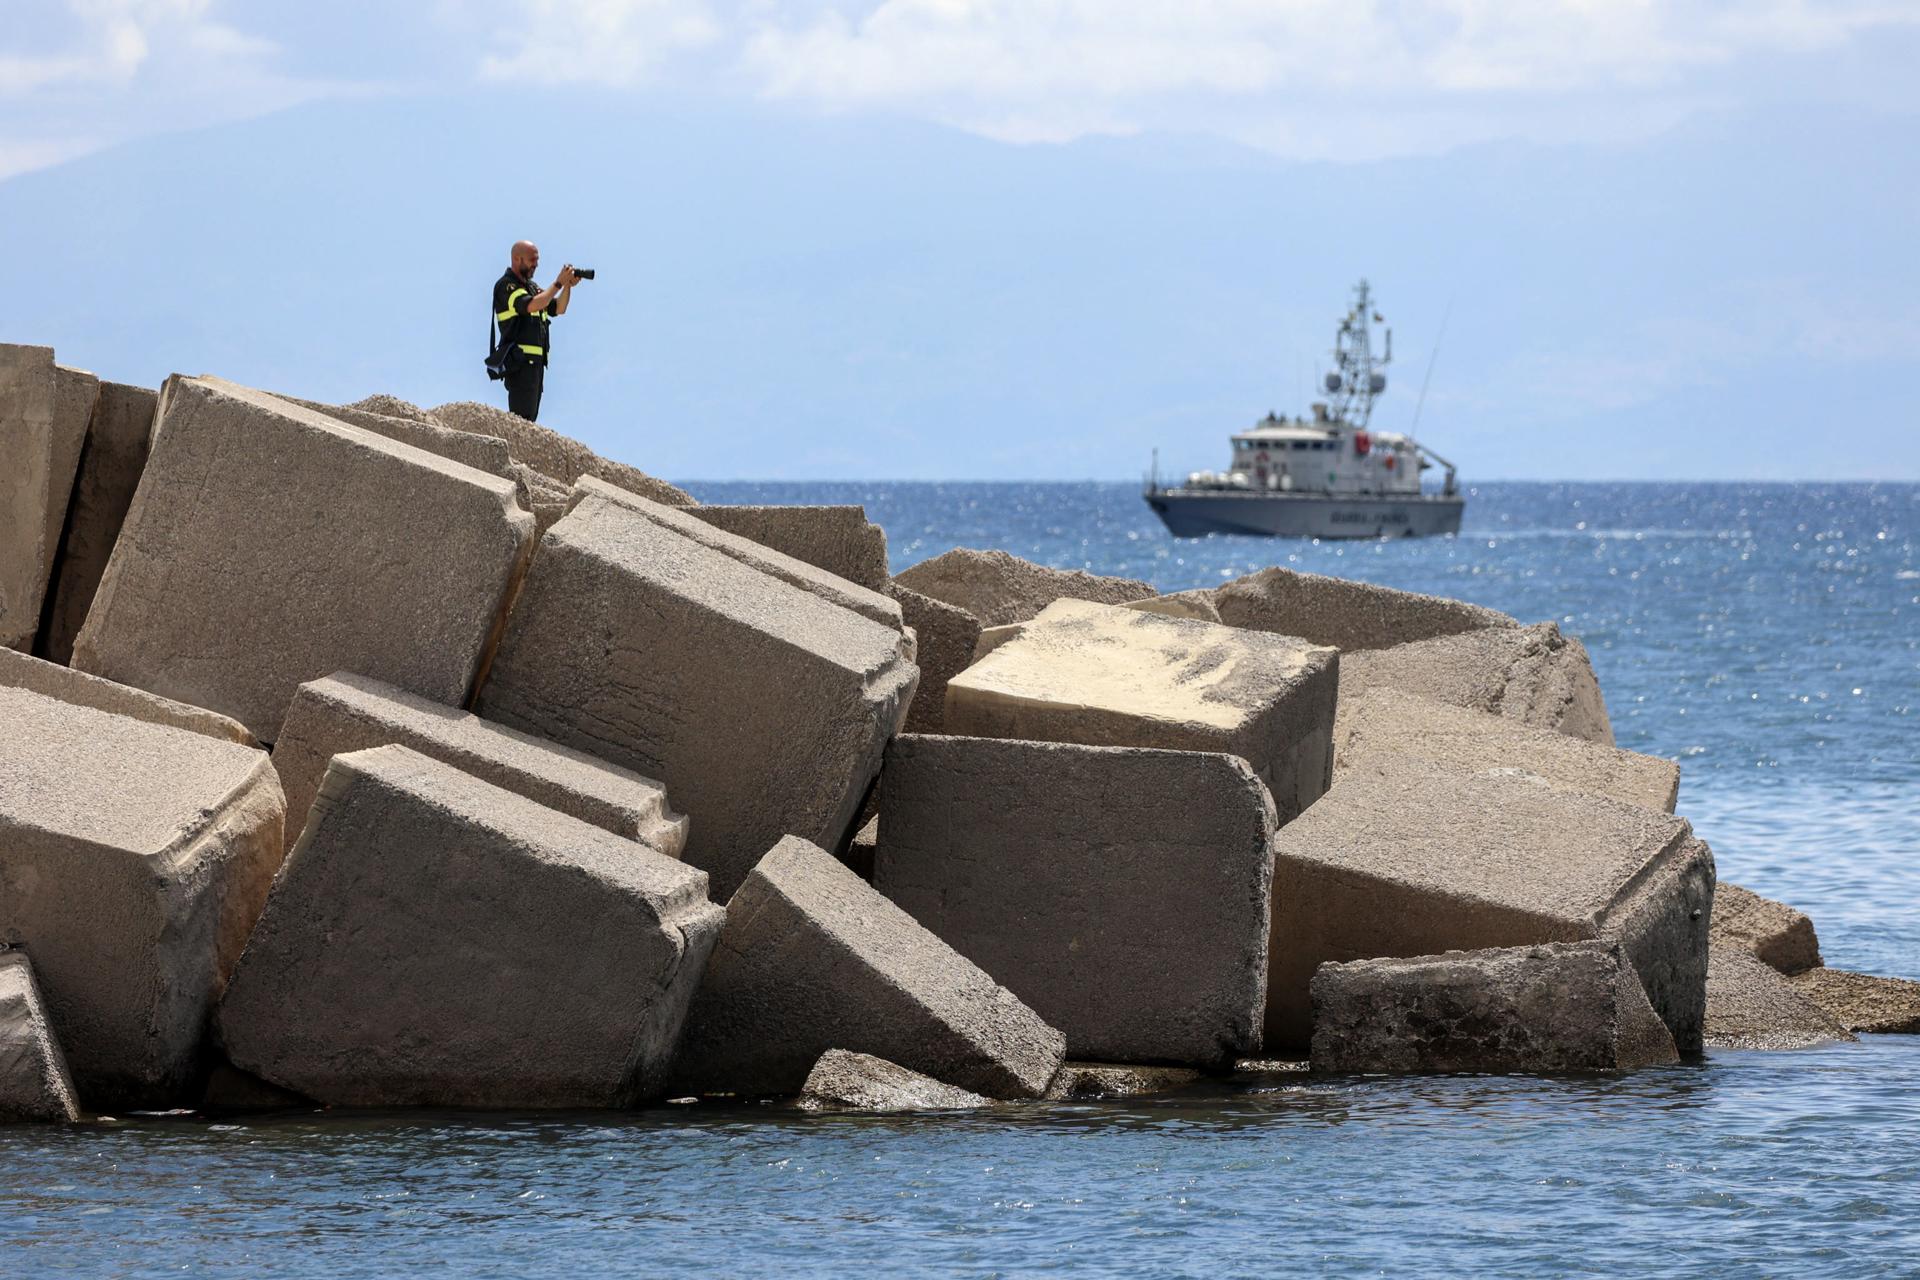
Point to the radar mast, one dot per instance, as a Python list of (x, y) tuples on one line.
[(1357, 378)]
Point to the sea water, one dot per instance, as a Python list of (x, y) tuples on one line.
[(1768, 637)]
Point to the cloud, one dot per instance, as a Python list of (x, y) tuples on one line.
[(618, 43)]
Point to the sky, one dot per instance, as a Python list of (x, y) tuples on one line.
[(999, 239)]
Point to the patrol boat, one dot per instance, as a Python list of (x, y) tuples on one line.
[(1328, 476)]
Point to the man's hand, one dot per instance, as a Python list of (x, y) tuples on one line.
[(566, 279)]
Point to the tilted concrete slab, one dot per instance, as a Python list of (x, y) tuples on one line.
[(1863, 1002), (50, 679), (482, 453), (813, 958), (1346, 614), (34, 1084), (1750, 1005), (134, 858), (551, 453), (269, 545), (998, 588), (345, 712), (1088, 1080), (840, 540), (110, 465), (44, 410), (1122, 894), (843, 1081), (434, 940), (944, 642), (1106, 676), (763, 708), (1773, 931)]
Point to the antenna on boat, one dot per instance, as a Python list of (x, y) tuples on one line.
[(1421, 403)]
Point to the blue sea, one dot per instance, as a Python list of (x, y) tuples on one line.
[(1767, 636)]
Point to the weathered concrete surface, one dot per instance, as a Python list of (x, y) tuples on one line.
[(763, 709), (945, 638), (1386, 722), (44, 409), (1087, 1080), (555, 455), (1103, 676), (34, 1084), (1121, 894), (843, 1081), (1861, 1002), (544, 496), (1530, 674), (863, 848), (1564, 1006), (998, 588), (1410, 858), (231, 1090), (346, 712), (813, 958), (133, 861), (1773, 931), (270, 545), (50, 679), (840, 540), (111, 461), (1196, 604), (482, 453), (392, 407), (1750, 1006), (1348, 615), (434, 940)]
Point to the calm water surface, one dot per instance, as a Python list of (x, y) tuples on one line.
[(1767, 636)]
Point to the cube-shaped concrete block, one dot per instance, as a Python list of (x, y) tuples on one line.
[(560, 457), (34, 1084), (763, 708), (134, 858), (1751, 1005), (434, 940), (1346, 614), (813, 958), (1379, 723), (840, 540), (50, 679), (843, 1081), (482, 453), (1122, 894), (110, 467), (269, 545), (1862, 1002), (1779, 935), (347, 712), (944, 642), (1410, 858), (998, 588), (1107, 676), (44, 410)]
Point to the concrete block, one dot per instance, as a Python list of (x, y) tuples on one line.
[(269, 545), (546, 498), (1530, 674), (843, 1081), (555, 455), (1197, 605), (1121, 894), (1564, 1006), (1862, 1002), (34, 1085), (51, 680), (482, 453), (1773, 931), (945, 638), (134, 858), (1386, 722), (110, 465), (998, 588), (347, 712), (44, 409), (1410, 858), (1343, 613), (1103, 676), (434, 940), (840, 540), (1082, 1081), (1751, 1006), (763, 708), (813, 958)]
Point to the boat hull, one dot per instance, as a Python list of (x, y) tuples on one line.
[(1195, 513)]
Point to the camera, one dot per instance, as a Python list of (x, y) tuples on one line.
[(585, 273)]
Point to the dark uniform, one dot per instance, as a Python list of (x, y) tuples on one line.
[(524, 334)]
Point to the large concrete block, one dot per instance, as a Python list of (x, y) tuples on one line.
[(1079, 1081), (1410, 858), (50, 679), (44, 409), (269, 545), (550, 453), (763, 708), (1563, 1006), (347, 712), (1862, 1002), (843, 1081), (434, 940), (1121, 894), (1103, 676), (813, 958), (34, 1084), (1386, 722), (482, 453), (944, 641), (1773, 931), (1530, 674), (998, 588), (133, 861), (840, 540), (1346, 614), (110, 467), (1752, 1006)]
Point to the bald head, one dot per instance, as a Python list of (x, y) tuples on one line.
[(525, 257)]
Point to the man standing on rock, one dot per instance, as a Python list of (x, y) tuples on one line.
[(525, 314)]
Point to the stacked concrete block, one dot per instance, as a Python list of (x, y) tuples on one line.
[(1121, 894), (1085, 1081), (346, 712), (44, 410), (1564, 1006), (437, 941), (50, 679), (763, 708), (110, 465), (1196, 604), (563, 459), (1862, 1002), (1345, 614), (944, 643), (840, 540), (482, 453), (1105, 676), (134, 858), (1773, 931), (998, 588), (1379, 723), (34, 1084), (813, 958), (843, 1081), (1411, 858), (546, 498), (1752, 1006), (269, 545), (1530, 674)]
